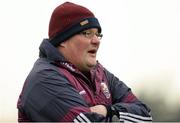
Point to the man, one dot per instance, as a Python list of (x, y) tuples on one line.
[(68, 84)]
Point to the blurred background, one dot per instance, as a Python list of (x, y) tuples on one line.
[(141, 46)]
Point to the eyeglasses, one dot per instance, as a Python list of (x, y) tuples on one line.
[(90, 34)]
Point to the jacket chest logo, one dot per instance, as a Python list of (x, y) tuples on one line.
[(105, 90), (82, 92)]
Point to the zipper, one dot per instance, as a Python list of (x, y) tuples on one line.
[(84, 79), (73, 70)]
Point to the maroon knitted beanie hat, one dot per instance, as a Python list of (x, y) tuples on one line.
[(69, 19)]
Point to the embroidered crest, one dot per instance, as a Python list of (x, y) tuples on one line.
[(105, 90)]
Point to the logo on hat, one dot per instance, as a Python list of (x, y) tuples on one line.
[(84, 22)]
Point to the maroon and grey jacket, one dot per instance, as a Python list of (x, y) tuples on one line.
[(55, 90)]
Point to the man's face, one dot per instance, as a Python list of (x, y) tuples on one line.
[(81, 49)]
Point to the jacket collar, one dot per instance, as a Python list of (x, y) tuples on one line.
[(47, 50)]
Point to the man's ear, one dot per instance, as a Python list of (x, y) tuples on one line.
[(63, 44)]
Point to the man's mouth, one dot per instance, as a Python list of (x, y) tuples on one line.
[(92, 52)]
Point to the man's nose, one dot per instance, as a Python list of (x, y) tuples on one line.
[(95, 40)]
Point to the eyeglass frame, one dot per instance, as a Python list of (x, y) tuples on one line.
[(90, 34)]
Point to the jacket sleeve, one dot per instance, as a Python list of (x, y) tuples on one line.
[(54, 99), (125, 105)]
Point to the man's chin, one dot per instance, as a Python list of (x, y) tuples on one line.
[(92, 64)]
